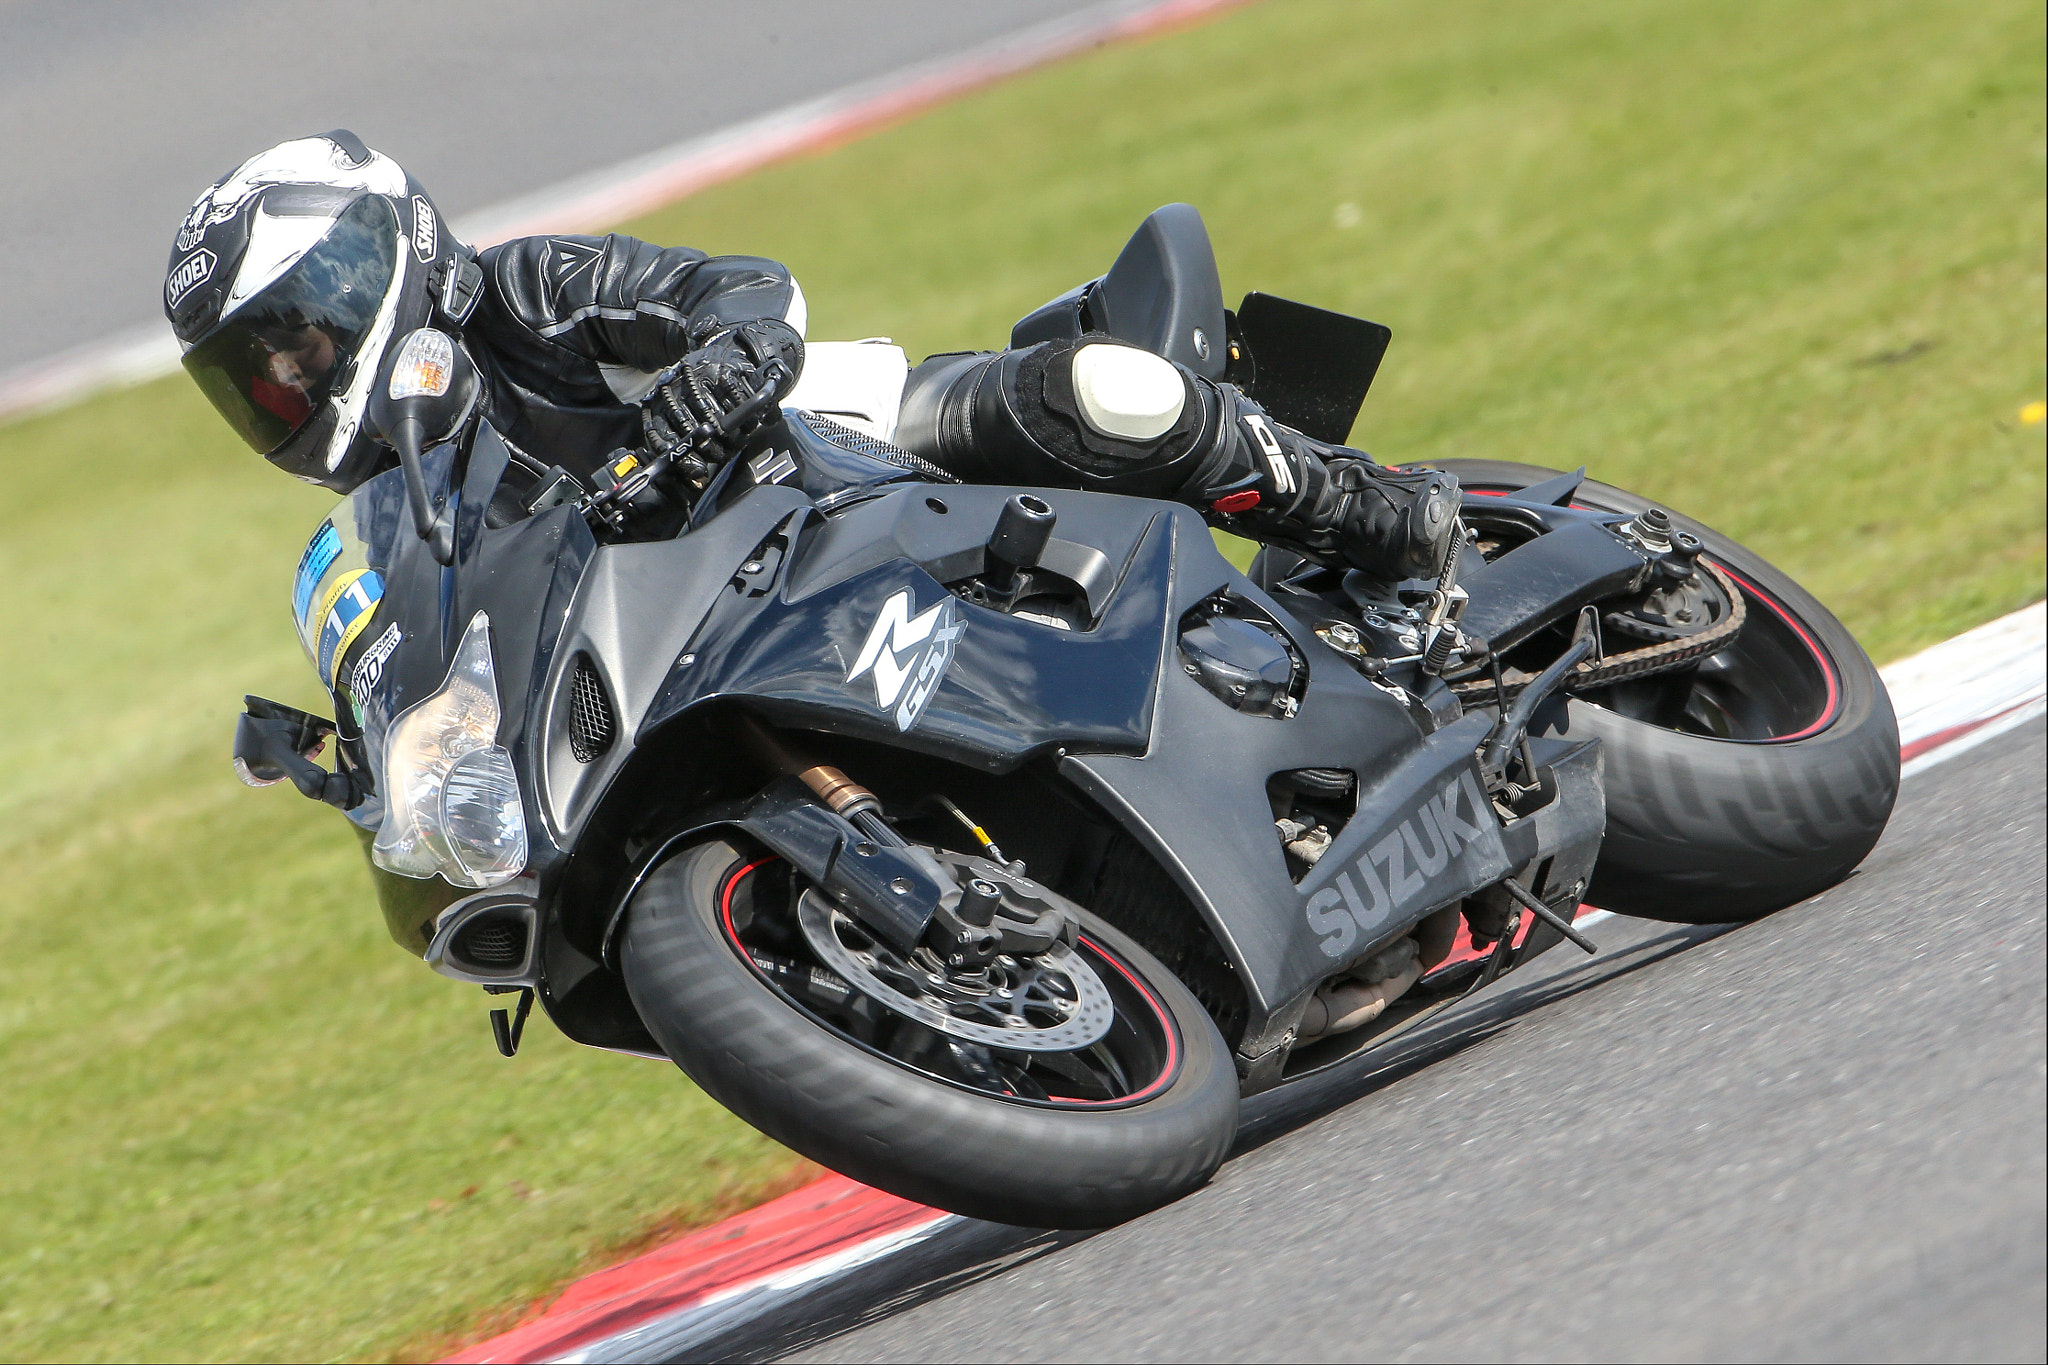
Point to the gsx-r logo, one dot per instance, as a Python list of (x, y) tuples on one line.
[(908, 655)]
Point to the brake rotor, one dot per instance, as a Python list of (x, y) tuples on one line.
[(1047, 1002)]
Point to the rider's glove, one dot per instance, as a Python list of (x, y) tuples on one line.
[(727, 364)]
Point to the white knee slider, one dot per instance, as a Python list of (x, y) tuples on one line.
[(1127, 393)]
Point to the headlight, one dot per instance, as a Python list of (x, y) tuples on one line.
[(451, 798)]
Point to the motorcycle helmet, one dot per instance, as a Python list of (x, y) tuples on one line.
[(288, 282)]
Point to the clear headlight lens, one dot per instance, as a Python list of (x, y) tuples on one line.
[(451, 797), (481, 814)]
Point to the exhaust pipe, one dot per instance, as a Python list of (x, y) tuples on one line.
[(1362, 994)]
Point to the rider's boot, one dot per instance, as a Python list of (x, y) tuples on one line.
[(1098, 414)]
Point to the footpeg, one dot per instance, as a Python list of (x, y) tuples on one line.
[(1548, 915)]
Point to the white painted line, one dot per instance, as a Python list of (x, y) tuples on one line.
[(1980, 674), (645, 183), (740, 1302), (616, 193)]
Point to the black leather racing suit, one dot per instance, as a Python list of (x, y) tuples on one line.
[(569, 333)]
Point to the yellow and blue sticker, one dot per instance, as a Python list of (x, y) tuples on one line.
[(345, 611)]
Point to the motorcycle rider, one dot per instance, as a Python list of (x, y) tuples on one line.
[(292, 276)]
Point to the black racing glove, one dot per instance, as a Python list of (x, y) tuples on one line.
[(728, 364), (1392, 523)]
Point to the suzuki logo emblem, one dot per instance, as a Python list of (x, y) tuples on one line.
[(1433, 837), (908, 655)]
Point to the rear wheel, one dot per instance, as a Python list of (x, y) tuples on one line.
[(1076, 1087), (1759, 777)]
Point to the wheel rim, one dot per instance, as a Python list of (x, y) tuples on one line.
[(1133, 1056), (1775, 684)]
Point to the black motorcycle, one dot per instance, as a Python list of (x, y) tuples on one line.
[(987, 844)]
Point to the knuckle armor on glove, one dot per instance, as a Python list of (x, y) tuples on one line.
[(724, 368)]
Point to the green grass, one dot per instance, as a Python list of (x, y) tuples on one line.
[(1780, 266)]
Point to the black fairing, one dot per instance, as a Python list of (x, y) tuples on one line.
[(777, 598), (1015, 688), (766, 603), (1110, 706)]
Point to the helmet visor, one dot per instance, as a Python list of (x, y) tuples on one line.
[(272, 362)]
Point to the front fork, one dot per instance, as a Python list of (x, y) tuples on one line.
[(831, 828)]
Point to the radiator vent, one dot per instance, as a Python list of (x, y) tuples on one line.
[(591, 727)]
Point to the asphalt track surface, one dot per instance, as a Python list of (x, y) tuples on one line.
[(114, 115), (1819, 1136)]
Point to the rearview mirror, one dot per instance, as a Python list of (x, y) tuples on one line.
[(430, 393)]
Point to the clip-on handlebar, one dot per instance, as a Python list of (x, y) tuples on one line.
[(610, 506)]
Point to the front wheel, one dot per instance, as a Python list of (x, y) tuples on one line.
[(1072, 1088), (1760, 777)]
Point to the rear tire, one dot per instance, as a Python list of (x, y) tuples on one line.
[(1704, 830), (882, 1122)]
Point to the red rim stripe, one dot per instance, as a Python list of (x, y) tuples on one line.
[(732, 884), (1172, 1067), (1827, 665)]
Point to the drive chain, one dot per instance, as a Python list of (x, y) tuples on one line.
[(1634, 663)]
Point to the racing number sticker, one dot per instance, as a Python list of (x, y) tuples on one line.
[(345, 613)]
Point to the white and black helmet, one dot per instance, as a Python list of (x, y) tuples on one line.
[(287, 283)]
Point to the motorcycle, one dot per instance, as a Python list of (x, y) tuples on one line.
[(989, 844)]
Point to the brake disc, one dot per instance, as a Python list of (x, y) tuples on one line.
[(1047, 1002)]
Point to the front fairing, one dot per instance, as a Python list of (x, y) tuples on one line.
[(396, 649), (522, 576)]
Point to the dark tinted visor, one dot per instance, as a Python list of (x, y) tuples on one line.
[(271, 364)]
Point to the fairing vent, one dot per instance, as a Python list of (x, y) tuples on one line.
[(486, 939), (591, 727), (1134, 893)]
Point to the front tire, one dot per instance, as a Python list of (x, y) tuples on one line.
[(871, 1116), (1779, 775)]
